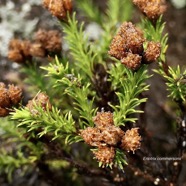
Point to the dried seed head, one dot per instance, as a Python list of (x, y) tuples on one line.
[(15, 94), (3, 112), (152, 52), (133, 38), (41, 100), (131, 140), (103, 119), (91, 136), (19, 50), (105, 154), (58, 8), (152, 9), (4, 97), (128, 39), (49, 40), (112, 135), (132, 61)]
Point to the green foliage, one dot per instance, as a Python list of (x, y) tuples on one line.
[(34, 79), (129, 85), (90, 10), (176, 81), (80, 49), (8, 162), (47, 122), (73, 87), (118, 11), (120, 159)]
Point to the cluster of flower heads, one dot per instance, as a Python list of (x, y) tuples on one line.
[(151, 8), (58, 8), (9, 97), (41, 100), (127, 46), (107, 137), (44, 43)]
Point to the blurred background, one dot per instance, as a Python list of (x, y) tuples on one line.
[(21, 18)]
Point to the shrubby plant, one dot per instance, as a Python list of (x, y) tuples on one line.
[(87, 100)]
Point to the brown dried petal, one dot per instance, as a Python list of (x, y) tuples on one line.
[(105, 154), (15, 94), (131, 140), (132, 61)]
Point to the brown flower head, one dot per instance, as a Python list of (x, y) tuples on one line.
[(19, 50), (128, 39), (91, 136), (151, 8), (8, 98), (50, 41), (4, 96), (54, 43), (105, 154), (15, 94), (41, 100), (131, 140), (132, 61), (103, 119), (152, 52), (58, 8)]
